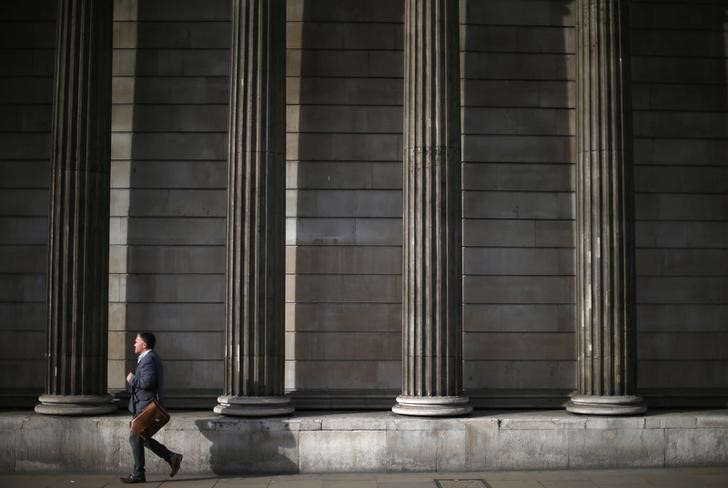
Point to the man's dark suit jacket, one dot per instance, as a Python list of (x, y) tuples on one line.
[(147, 383)]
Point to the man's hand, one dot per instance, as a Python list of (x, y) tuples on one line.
[(129, 377)]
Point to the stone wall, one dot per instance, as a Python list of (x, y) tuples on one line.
[(27, 38), (343, 232), (681, 184)]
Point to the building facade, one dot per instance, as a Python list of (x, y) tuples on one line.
[(592, 196)]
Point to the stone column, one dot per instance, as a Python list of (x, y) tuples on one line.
[(78, 241), (255, 293), (605, 277), (431, 275)]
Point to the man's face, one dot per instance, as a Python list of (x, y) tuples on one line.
[(139, 345)]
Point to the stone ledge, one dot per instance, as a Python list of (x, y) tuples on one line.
[(317, 442)]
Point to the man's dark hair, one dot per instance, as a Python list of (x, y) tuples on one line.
[(148, 339)]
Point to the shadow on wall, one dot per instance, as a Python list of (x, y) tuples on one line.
[(680, 114), (172, 203), (518, 69), (240, 445), (344, 181)]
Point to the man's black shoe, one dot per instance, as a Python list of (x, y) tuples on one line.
[(133, 479), (174, 463)]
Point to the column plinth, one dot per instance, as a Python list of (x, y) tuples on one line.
[(255, 239), (431, 247), (605, 275), (78, 235)]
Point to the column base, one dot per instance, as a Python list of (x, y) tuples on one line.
[(606, 405), (432, 406), (253, 406), (76, 405)]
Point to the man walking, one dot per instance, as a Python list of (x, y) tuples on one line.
[(145, 385)]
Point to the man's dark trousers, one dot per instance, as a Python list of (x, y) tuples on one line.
[(137, 448)]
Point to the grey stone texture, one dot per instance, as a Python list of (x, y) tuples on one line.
[(606, 329), (344, 177), (373, 442)]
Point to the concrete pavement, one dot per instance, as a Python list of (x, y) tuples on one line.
[(619, 478)]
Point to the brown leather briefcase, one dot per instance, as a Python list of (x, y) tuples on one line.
[(149, 420)]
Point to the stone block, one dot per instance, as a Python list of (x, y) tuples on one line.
[(681, 262), (26, 118), (179, 174), (677, 16), (681, 317), (518, 318), (605, 447), (518, 121), (344, 11), (339, 231), (519, 39), (530, 12), (346, 175), (359, 451), (518, 177), (170, 10), (681, 207), (349, 346), (175, 118), (172, 316), (22, 344), (30, 377), (412, 450), (374, 421), (23, 259), (517, 93), (343, 118), (663, 289), (338, 91), (26, 287), (518, 289), (173, 146), (26, 62), (161, 231), (344, 288), (521, 346), (682, 374), (344, 203), (343, 375), (344, 147), (516, 233), (383, 317), (344, 259), (676, 96), (28, 89), (24, 230), (685, 447), (181, 89), (676, 151), (505, 261), (207, 288), (125, 34), (554, 233), (517, 205), (517, 149), (519, 450), (23, 203), (682, 346), (25, 316), (188, 374), (519, 375), (519, 66), (343, 35), (175, 203)]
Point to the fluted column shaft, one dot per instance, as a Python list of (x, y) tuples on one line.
[(254, 300), (78, 245), (431, 293), (606, 357)]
